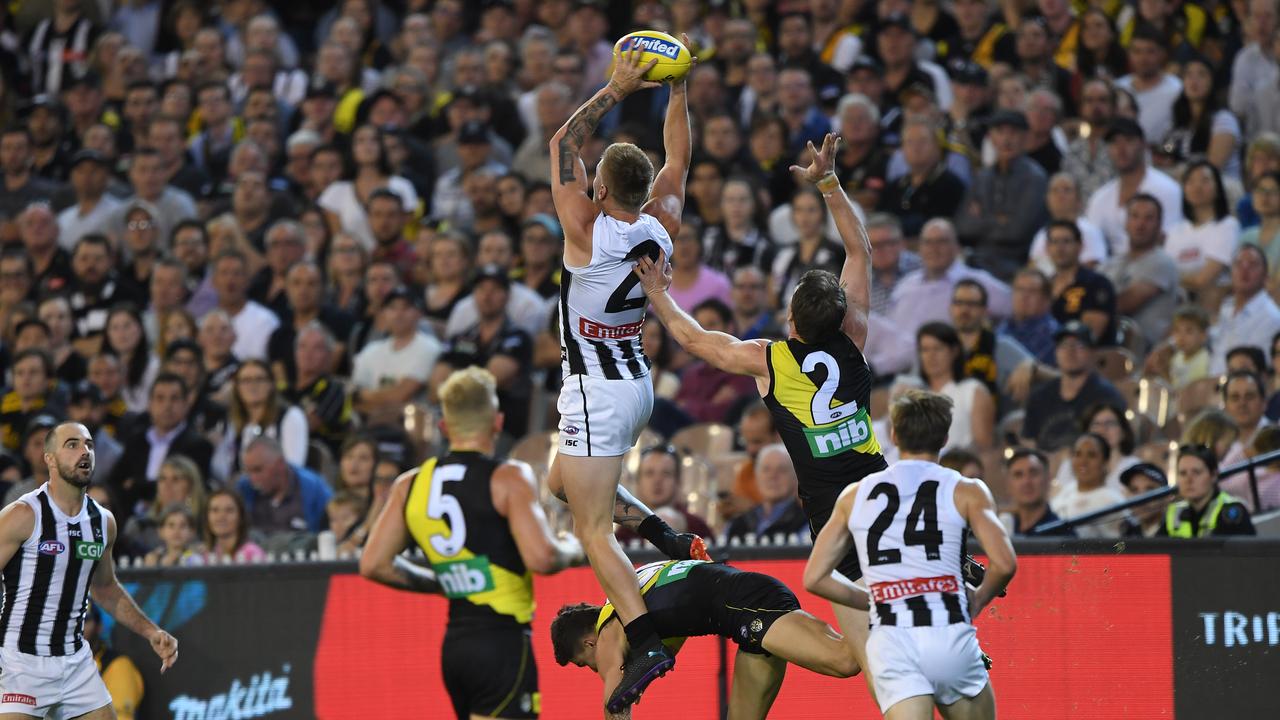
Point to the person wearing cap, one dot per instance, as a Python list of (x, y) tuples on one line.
[(1145, 519), (495, 344), (475, 154), (50, 148), (318, 106), (1154, 89), (1026, 472), (1108, 205), (1055, 406), (1203, 509), (972, 104), (1005, 204), (896, 43), (1144, 276), (93, 208), (539, 269), (392, 372), (20, 187)]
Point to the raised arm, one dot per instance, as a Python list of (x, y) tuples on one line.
[(112, 598), (833, 543), (569, 191), (855, 276), (666, 201), (720, 350), (515, 497)]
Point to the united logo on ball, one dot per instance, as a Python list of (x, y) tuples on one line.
[(673, 58)]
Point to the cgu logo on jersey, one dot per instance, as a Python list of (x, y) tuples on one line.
[(838, 438), (655, 45), (465, 577), (88, 550), (264, 695), (52, 547)]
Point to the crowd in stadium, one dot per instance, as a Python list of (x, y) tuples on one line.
[(245, 241)]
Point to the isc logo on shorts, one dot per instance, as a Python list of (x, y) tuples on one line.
[(18, 698), (52, 547)]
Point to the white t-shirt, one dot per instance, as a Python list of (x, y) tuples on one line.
[(340, 199), (1191, 245), (253, 325), (1155, 106), (962, 396), (381, 364), (1072, 502), (1105, 211), (1094, 250), (72, 225)]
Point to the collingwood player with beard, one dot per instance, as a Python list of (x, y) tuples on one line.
[(55, 548)]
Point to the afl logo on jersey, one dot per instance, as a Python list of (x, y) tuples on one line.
[(52, 547)]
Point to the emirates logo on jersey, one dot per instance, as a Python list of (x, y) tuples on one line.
[(592, 329), (52, 547), (897, 589), (19, 698)]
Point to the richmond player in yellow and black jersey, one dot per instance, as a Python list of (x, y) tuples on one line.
[(484, 533)]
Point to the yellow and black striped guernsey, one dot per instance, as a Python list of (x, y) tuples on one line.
[(450, 515), (819, 396)]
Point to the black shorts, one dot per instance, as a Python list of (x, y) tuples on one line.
[(818, 507), (744, 604), (490, 671)]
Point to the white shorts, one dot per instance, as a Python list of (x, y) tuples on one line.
[(50, 687), (944, 662), (602, 418)]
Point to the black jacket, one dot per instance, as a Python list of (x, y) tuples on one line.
[(129, 478)]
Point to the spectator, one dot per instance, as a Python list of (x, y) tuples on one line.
[(93, 207), (752, 317), (779, 511), (1109, 422), (368, 169), (1004, 208), (357, 460), (105, 372), (708, 394), (693, 281), (1088, 159), (928, 189), (225, 530), (658, 485), (1203, 509), (126, 338), (1204, 241), (87, 406), (217, 338), (541, 247), (283, 501), (1248, 315), (1066, 204), (1266, 440), (1031, 325), (740, 239), (32, 456), (164, 433), (1145, 277), (450, 264), (941, 362), (32, 393), (963, 462), (862, 160), (661, 351), (972, 104), (38, 233), (497, 345), (1055, 406), (1027, 473), (55, 313), (1108, 206), (177, 539), (553, 103), (798, 109), (1045, 141), (167, 291), (526, 308), (1203, 130), (190, 246), (924, 295), (896, 42), (451, 203), (1213, 429), (93, 290), (166, 135), (344, 513), (1190, 361), (253, 323), (392, 372), (304, 288), (755, 431), (147, 177), (890, 261), (1153, 88), (1266, 234), (1145, 519), (257, 408), (1034, 52), (1244, 398), (140, 247), (286, 245), (22, 188), (1254, 66), (1089, 458), (988, 357), (178, 484)]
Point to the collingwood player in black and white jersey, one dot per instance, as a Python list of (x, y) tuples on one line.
[(607, 394), (55, 548), (908, 524)]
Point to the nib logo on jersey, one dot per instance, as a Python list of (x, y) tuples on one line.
[(463, 578), (264, 695), (839, 437)]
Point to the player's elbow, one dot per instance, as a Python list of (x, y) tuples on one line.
[(813, 578), (369, 566)]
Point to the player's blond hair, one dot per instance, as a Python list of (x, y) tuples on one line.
[(628, 173), (921, 421), (469, 400)]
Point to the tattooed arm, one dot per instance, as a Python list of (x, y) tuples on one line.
[(569, 189)]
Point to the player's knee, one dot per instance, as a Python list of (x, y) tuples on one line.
[(844, 665)]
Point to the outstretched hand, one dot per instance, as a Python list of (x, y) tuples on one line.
[(823, 162), (693, 59), (655, 277), (166, 646), (629, 72)]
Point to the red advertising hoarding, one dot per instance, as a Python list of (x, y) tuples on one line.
[(1078, 636)]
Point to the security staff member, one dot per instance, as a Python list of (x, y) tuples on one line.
[(1204, 510)]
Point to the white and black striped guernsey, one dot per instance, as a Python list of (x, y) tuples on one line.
[(602, 305), (46, 583)]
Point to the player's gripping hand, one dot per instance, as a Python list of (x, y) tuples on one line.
[(822, 162), (628, 73), (166, 646), (655, 276)]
